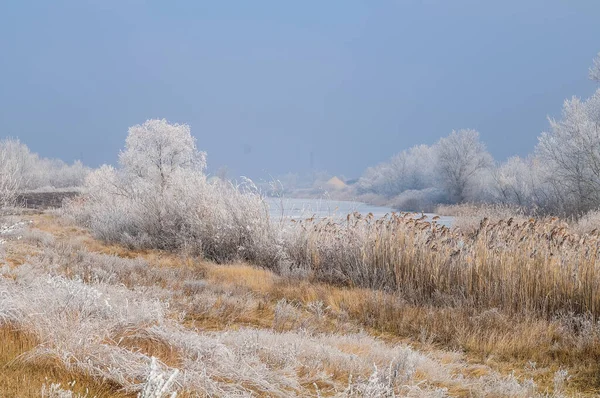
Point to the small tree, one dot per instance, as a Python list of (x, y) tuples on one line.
[(461, 159), (9, 179), (571, 151), (14, 164), (156, 150)]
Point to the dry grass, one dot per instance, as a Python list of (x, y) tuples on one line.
[(468, 216), (24, 379), (505, 343), (233, 297), (538, 268)]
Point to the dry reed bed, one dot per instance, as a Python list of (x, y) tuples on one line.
[(536, 267)]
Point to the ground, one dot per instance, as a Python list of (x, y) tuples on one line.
[(266, 335)]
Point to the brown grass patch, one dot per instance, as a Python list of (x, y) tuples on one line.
[(25, 379), (256, 279)]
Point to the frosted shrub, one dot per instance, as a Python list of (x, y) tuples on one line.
[(157, 386), (588, 223), (55, 390), (419, 200), (160, 198), (286, 315), (219, 220), (234, 223)]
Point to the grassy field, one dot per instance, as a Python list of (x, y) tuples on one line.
[(408, 308)]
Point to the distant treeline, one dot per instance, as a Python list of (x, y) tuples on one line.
[(561, 176)]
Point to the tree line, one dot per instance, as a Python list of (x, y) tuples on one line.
[(561, 176)]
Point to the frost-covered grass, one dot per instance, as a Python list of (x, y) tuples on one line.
[(107, 317)]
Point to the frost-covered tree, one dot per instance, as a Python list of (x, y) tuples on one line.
[(571, 151), (523, 182), (156, 150), (512, 183), (13, 158), (461, 160), (412, 169), (157, 186)]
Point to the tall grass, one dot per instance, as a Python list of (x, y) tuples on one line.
[(535, 266)]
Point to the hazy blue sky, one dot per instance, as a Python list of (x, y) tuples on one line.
[(264, 83)]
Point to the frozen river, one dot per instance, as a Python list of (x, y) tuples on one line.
[(321, 208)]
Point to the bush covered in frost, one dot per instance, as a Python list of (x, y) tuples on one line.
[(160, 197)]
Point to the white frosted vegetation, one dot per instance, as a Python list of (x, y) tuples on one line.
[(81, 321), (408, 170), (570, 153), (561, 177), (160, 198), (462, 161), (79, 325), (156, 150), (11, 173), (55, 390), (22, 170), (452, 170)]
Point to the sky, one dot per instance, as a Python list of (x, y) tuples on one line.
[(263, 84)]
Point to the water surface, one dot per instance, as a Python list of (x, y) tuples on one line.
[(320, 208)]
